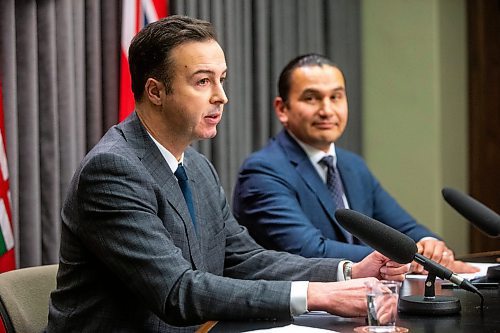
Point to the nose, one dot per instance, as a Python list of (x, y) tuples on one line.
[(219, 95), (327, 107)]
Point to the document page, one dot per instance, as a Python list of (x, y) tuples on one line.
[(482, 266), (291, 328)]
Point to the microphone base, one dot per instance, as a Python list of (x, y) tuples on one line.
[(438, 305), (493, 273)]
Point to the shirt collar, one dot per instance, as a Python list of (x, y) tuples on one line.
[(314, 154), (171, 160)]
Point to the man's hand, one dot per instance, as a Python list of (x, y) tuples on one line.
[(462, 267), (348, 298), (438, 251), (379, 266), (345, 298)]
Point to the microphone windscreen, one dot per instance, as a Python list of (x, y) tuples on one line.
[(386, 240), (478, 214)]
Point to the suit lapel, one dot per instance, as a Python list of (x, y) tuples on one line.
[(353, 187), (308, 173), (147, 151), (194, 173)]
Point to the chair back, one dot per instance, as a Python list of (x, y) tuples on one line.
[(24, 298)]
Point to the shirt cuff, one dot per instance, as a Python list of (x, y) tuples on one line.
[(298, 292), (427, 237), (298, 298)]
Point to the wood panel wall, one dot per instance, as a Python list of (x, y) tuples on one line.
[(484, 111)]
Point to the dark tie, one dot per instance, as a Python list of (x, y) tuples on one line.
[(182, 178), (335, 187)]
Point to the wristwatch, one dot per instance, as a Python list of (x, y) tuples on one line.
[(347, 270)]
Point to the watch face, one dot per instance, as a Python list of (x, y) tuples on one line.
[(347, 271)]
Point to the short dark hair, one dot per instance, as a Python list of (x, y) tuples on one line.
[(150, 49), (306, 60)]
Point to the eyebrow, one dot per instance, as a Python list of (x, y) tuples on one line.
[(207, 71), (312, 90)]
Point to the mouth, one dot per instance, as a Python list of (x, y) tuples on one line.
[(214, 118), (326, 125)]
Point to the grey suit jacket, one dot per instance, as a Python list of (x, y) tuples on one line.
[(131, 261)]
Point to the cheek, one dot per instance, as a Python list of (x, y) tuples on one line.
[(306, 115), (302, 120), (343, 114)]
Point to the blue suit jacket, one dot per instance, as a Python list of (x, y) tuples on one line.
[(285, 205)]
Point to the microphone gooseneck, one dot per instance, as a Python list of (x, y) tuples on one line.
[(445, 274)]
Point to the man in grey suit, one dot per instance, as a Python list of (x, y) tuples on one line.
[(141, 253)]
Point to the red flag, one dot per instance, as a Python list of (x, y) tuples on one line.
[(136, 14), (7, 259)]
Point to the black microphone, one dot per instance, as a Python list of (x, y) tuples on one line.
[(402, 249), (395, 245), (482, 217), (478, 214)]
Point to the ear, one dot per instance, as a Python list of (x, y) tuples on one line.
[(152, 90), (281, 110)]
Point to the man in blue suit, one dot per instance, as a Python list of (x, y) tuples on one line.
[(282, 195)]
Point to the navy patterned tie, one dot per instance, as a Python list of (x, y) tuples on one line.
[(181, 175), (334, 185)]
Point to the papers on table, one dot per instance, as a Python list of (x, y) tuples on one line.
[(291, 328), (482, 266)]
